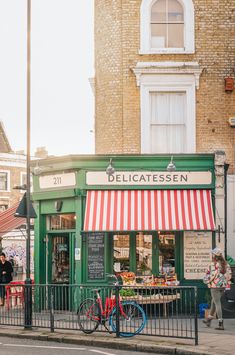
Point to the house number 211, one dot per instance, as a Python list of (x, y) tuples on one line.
[(57, 180)]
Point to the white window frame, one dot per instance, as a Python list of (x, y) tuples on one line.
[(168, 77), (8, 180), (22, 173), (145, 29)]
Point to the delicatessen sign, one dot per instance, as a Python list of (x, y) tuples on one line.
[(156, 178), (197, 256)]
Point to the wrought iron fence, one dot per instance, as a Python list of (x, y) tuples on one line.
[(126, 311)]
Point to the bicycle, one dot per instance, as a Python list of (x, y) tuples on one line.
[(92, 313)]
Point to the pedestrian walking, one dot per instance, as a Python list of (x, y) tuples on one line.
[(217, 279), (6, 271)]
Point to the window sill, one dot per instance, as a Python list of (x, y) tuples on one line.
[(166, 51)]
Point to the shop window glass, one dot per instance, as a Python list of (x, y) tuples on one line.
[(62, 221), (3, 181), (166, 253), (143, 254), (121, 250)]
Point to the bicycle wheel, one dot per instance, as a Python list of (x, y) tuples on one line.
[(88, 315), (132, 319)]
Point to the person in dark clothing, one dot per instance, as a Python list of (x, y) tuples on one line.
[(6, 271)]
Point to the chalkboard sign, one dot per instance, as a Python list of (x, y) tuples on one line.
[(95, 256)]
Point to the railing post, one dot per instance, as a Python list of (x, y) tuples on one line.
[(28, 304), (195, 315), (52, 300), (117, 311)]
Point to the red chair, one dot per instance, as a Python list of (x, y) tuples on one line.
[(14, 289)]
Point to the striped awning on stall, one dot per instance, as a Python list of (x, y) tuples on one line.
[(129, 210)]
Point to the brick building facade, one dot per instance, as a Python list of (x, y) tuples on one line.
[(117, 52), (154, 58), (12, 172)]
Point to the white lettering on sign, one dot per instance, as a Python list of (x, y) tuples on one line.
[(57, 181), (197, 256), (156, 178)]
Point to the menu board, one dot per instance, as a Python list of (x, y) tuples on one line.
[(197, 255), (95, 256)]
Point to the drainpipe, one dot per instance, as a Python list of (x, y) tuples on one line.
[(226, 166)]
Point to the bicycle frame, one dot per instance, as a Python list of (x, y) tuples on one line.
[(107, 309)]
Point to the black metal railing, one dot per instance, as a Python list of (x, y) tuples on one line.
[(126, 311)]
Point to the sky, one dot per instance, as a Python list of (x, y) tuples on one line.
[(62, 61)]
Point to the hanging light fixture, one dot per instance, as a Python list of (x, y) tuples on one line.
[(110, 169), (171, 166)]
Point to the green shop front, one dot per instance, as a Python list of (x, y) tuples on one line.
[(139, 218)]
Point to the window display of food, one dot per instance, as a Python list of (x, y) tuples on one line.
[(128, 278), (163, 280)]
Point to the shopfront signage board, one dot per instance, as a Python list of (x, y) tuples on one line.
[(57, 181), (149, 178), (95, 256), (197, 255)]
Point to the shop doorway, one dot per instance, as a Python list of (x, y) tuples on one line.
[(60, 259), (60, 268)]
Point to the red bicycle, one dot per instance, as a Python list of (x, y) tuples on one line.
[(92, 313)]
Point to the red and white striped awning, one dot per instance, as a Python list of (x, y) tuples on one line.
[(8, 221), (124, 210)]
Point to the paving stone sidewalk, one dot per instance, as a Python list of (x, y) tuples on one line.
[(211, 341)]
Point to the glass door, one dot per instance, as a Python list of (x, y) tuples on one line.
[(59, 259)]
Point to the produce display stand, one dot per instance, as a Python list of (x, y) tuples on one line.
[(142, 289), (154, 299)]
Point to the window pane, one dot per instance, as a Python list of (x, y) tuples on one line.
[(176, 35), (3, 181), (168, 122), (167, 253), (177, 105), (175, 11), (158, 12), (176, 139), (158, 35), (121, 251), (143, 254), (168, 139), (62, 221), (159, 141), (159, 108)]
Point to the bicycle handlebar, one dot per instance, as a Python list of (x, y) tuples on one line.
[(113, 276)]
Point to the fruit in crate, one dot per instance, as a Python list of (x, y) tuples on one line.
[(127, 276)]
